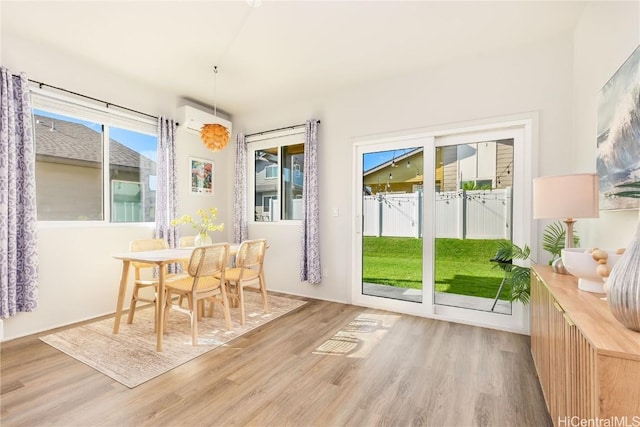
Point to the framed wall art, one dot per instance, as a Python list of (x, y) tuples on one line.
[(618, 144), (201, 176)]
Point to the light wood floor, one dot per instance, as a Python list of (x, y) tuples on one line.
[(421, 372)]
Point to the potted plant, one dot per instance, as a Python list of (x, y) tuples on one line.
[(553, 240), (517, 276), (206, 223)]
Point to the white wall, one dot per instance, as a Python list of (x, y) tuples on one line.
[(604, 38), (534, 78), (78, 278)]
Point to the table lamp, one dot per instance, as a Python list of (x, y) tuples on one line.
[(566, 197)]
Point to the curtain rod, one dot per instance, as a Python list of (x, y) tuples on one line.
[(108, 104), (278, 129)]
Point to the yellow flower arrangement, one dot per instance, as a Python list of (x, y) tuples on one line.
[(205, 223)]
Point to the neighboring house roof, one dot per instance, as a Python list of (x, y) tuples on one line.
[(68, 140), (398, 174)]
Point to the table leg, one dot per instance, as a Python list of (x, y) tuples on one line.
[(160, 308), (121, 293)]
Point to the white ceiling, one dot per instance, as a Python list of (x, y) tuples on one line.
[(282, 50)]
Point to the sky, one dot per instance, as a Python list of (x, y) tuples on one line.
[(371, 160)]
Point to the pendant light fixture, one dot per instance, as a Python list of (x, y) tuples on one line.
[(214, 136)]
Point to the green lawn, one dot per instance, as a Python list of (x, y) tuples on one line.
[(461, 266)]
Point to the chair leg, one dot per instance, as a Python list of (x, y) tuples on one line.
[(132, 306), (200, 309), (167, 308), (194, 325), (232, 293), (212, 307), (263, 291), (134, 302), (227, 312), (241, 297)]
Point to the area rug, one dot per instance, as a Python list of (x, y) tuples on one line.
[(130, 356)]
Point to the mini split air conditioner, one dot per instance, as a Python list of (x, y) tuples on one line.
[(192, 119)]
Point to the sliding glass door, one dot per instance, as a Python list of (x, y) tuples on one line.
[(390, 227), (392, 200), (473, 218), (431, 212), (480, 202)]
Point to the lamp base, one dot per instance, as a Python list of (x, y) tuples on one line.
[(568, 237), (595, 286)]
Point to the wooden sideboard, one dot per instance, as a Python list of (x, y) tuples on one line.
[(587, 362)]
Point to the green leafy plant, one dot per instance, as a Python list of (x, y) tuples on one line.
[(553, 239), (518, 277), (472, 185)]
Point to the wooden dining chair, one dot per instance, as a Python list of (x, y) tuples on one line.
[(204, 281), (186, 242), (139, 282), (248, 273)]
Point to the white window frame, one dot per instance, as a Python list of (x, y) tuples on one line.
[(255, 143), (56, 103)]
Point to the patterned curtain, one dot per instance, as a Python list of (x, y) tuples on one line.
[(18, 217), (240, 232), (310, 269), (166, 194)]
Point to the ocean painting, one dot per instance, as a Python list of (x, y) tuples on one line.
[(618, 152)]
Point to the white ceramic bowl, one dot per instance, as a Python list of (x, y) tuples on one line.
[(580, 263)]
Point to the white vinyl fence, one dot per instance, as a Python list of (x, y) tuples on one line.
[(273, 214), (126, 212), (478, 214)]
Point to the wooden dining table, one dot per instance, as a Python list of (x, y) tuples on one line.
[(161, 258)]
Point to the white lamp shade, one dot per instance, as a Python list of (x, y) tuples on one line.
[(566, 196)]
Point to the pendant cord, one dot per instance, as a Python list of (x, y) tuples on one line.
[(215, 90)]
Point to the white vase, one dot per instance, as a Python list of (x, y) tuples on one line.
[(202, 239), (624, 286)]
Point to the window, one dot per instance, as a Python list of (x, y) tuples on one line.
[(271, 171), (92, 167), (132, 170), (278, 176), (69, 162)]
